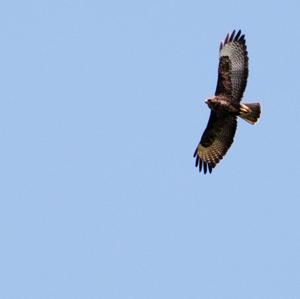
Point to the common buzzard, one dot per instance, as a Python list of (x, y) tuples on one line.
[(225, 105)]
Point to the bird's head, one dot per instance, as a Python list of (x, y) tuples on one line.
[(210, 102)]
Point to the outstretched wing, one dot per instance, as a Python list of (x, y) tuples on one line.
[(215, 141), (233, 67)]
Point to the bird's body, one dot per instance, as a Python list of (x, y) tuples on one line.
[(221, 104), (225, 105)]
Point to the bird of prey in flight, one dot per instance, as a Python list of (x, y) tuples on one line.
[(225, 105)]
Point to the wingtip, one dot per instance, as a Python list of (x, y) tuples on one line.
[(195, 153), (232, 36), (197, 161), (226, 39), (205, 167), (221, 46)]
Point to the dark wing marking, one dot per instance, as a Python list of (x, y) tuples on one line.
[(233, 67), (224, 85), (215, 141)]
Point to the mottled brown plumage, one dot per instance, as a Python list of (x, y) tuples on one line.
[(225, 105)]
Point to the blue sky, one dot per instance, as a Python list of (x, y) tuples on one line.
[(102, 106)]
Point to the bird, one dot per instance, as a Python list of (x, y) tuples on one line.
[(225, 106)]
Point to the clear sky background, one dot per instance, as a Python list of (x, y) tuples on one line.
[(102, 106)]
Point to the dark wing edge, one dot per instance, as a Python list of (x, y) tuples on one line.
[(233, 66), (215, 141)]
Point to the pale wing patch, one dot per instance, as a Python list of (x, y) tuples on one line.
[(236, 53), (212, 154)]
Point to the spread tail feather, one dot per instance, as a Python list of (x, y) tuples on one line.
[(250, 112)]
